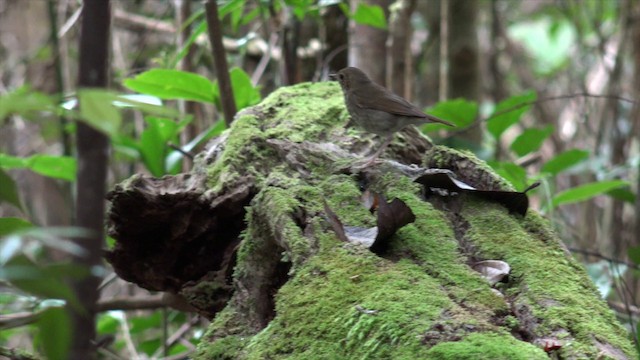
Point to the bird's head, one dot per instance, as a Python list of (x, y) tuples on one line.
[(350, 77)]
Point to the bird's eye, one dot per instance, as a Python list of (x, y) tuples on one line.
[(341, 76)]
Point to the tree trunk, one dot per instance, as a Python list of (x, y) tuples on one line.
[(367, 44), (251, 238), (464, 58), (93, 153)]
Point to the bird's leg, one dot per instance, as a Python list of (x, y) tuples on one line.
[(378, 152)]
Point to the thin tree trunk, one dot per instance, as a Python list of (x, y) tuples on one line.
[(367, 45), (220, 58), (399, 60), (464, 69), (92, 148)]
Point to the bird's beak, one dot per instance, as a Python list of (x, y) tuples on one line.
[(333, 76)]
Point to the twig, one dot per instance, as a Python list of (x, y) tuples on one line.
[(220, 59), (604, 257)]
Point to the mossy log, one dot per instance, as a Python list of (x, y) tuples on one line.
[(246, 240)]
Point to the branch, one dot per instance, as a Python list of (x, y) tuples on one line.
[(219, 56)]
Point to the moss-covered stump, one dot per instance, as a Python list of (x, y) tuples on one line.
[(246, 240)]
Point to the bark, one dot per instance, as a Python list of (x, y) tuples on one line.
[(464, 58), (367, 49), (92, 148), (399, 67), (249, 239)]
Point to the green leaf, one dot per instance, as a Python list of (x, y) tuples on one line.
[(173, 84), (9, 190), (149, 104), (634, 254), (623, 194), (153, 143), (38, 281), (511, 172), (371, 15), (54, 328), (58, 167), (10, 225), (98, 110), (530, 140), (564, 161), (460, 112), (107, 324), (587, 191), (244, 93), (23, 101), (509, 112)]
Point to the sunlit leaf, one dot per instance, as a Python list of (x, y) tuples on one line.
[(55, 332), (59, 167), (509, 112), (173, 84), (511, 172), (371, 15), (460, 112), (23, 101), (530, 140), (244, 93), (564, 161), (97, 110), (587, 191)]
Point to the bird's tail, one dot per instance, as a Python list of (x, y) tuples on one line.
[(431, 118)]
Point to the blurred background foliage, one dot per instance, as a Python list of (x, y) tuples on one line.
[(544, 91)]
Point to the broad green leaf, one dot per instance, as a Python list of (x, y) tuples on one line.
[(9, 225), (55, 326), (107, 324), (9, 190), (59, 167), (23, 101), (623, 194), (460, 112), (153, 143), (36, 280), (98, 110), (173, 84), (371, 15), (509, 112), (564, 161), (142, 323), (511, 172), (530, 140), (149, 104), (244, 93), (587, 191)]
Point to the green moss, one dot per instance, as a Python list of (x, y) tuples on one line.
[(558, 291), (423, 289), (489, 346), (329, 287)]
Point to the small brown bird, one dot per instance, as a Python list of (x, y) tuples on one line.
[(376, 109)]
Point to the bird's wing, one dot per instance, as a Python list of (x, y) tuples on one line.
[(378, 98)]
